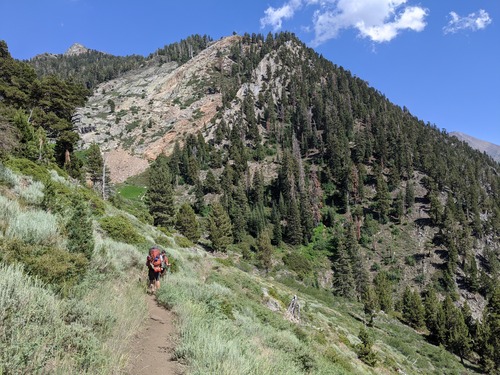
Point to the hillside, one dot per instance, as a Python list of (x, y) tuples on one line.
[(232, 319), (267, 172), (491, 149)]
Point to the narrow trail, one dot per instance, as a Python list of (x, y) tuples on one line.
[(152, 349)]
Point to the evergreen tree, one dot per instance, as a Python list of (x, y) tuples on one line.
[(293, 229), (307, 217), (175, 161), (432, 307), (29, 148), (364, 349), (457, 334), (264, 251), (413, 309), (472, 274), (186, 222), (239, 212), (489, 334), (211, 185), (398, 207), (436, 208), (383, 289), (94, 166), (219, 228), (409, 196), (199, 203), (160, 194), (382, 199), (343, 280), (257, 192), (370, 304), (80, 229), (276, 221)]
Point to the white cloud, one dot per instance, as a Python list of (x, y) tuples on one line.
[(274, 16), (474, 22), (411, 18), (378, 20)]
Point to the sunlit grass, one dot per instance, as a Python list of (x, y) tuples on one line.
[(132, 192)]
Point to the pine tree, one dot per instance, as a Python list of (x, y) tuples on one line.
[(409, 196), (276, 221), (264, 251), (219, 228), (293, 229), (94, 166), (160, 194), (472, 274), (370, 304), (343, 280), (432, 307), (186, 222), (80, 229), (383, 289), (490, 334), (29, 145), (239, 212), (382, 199), (364, 349), (436, 212), (174, 161), (398, 206), (458, 337), (413, 309), (257, 192)]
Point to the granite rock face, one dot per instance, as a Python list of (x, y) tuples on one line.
[(76, 49)]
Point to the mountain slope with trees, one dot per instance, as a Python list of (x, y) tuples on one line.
[(399, 203), (301, 180)]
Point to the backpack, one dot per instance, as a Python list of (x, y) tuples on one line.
[(164, 261), (154, 259)]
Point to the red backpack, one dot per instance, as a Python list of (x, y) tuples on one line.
[(154, 259)]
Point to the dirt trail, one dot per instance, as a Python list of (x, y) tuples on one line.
[(152, 349)]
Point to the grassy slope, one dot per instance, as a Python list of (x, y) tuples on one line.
[(227, 328), (223, 304)]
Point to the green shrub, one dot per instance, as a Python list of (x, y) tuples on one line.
[(96, 204), (8, 210), (121, 229), (30, 191), (7, 177), (34, 227), (110, 256), (164, 241), (29, 168), (57, 196), (35, 338), (228, 262), (51, 265), (297, 262), (410, 260), (183, 242)]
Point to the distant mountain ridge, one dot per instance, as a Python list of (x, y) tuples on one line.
[(489, 148), (76, 49)]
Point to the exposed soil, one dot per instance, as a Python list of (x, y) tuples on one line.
[(152, 349)]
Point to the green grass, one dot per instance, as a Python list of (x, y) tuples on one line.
[(132, 192), (59, 313), (225, 323)]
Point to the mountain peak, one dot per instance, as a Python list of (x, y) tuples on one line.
[(491, 149), (76, 49)]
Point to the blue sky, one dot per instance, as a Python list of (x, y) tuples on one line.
[(439, 58)]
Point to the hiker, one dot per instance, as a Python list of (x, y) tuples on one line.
[(164, 263), (153, 262)]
